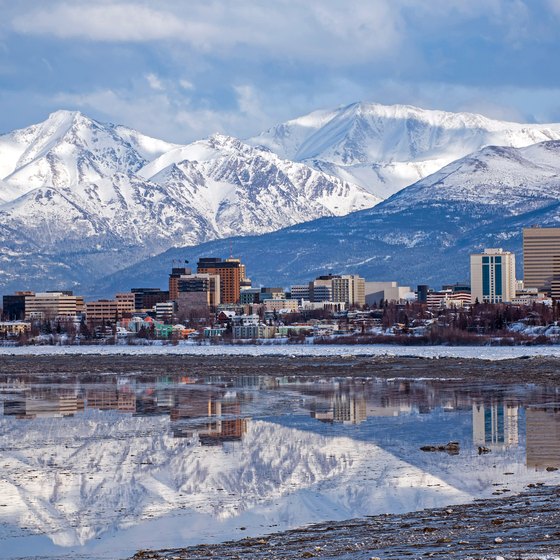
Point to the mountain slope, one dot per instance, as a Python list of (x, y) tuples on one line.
[(423, 234), (90, 198), (385, 148)]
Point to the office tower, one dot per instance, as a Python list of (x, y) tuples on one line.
[(493, 276), (541, 260), (231, 273)]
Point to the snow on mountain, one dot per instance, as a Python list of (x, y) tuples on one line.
[(385, 148), (515, 179), (232, 183), (423, 234), (86, 191)]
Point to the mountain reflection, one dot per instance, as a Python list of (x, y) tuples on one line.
[(83, 459)]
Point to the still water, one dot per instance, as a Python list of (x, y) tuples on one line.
[(101, 467)]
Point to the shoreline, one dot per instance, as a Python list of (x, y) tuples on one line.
[(524, 526), (304, 351)]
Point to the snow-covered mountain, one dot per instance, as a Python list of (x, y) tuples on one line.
[(80, 199), (423, 234), (385, 148)]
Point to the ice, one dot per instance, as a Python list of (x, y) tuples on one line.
[(293, 351)]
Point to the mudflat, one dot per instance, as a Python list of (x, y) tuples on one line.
[(523, 526), (518, 370)]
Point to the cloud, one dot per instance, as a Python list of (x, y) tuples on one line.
[(186, 84), (326, 30), (106, 22), (183, 70), (155, 82), (165, 114)]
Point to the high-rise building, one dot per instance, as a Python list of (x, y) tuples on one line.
[(541, 259), (349, 288), (493, 276), (196, 290), (231, 273), (176, 273)]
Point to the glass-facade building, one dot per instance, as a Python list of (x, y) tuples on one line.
[(493, 276)]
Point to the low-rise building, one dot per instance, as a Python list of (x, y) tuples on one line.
[(52, 305), (165, 310), (14, 328), (250, 327), (286, 305), (102, 310), (378, 292)]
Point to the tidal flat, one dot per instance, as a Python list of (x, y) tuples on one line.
[(183, 456)]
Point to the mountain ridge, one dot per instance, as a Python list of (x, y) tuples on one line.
[(423, 234), (77, 190), (385, 148)]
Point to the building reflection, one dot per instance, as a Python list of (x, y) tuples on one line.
[(495, 424), (215, 420), (214, 416), (122, 400), (41, 404), (215, 409), (543, 436), (342, 407)]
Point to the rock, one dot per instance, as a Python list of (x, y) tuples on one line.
[(551, 469), (452, 448), (497, 521)]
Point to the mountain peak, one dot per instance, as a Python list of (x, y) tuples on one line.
[(384, 148)]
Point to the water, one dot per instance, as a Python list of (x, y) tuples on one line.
[(103, 466)]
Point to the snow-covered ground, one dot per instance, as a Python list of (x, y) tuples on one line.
[(478, 352)]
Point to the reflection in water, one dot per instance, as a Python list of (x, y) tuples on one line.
[(495, 424), (139, 461), (543, 436)]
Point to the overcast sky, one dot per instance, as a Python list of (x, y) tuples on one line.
[(182, 70)]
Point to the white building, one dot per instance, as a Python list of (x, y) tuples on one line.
[(493, 276), (376, 292)]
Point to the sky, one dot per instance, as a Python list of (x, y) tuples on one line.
[(183, 70)]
